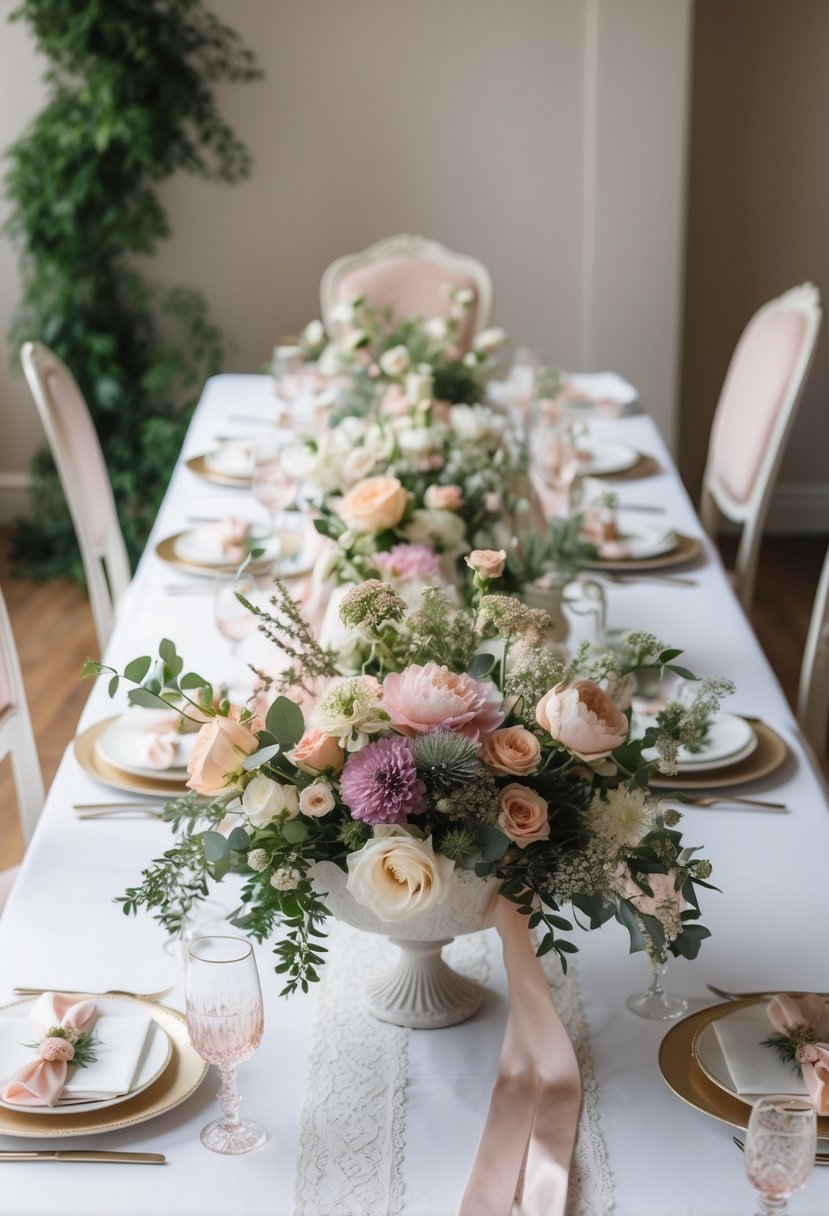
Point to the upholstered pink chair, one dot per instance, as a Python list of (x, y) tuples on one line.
[(410, 274), (18, 742), (753, 419), (83, 474)]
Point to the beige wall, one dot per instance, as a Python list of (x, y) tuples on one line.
[(758, 217), (543, 136)]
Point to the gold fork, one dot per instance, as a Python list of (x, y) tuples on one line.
[(742, 996), (152, 997), (779, 808)]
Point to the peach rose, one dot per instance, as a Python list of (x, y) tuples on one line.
[(583, 718), (523, 816), (317, 751), (216, 758), (512, 750), (443, 498), (374, 505), (487, 563)]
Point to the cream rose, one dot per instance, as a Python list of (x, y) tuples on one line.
[(265, 800), (523, 815), (443, 498), (396, 876), (512, 750), (487, 563), (583, 718), (394, 361), (216, 759), (317, 799), (317, 751), (374, 505)]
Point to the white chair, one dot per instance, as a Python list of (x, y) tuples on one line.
[(17, 741), (754, 416), (83, 474), (813, 693), (409, 273)]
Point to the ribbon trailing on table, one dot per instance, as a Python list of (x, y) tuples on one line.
[(797, 1021), (41, 1082), (523, 1160)]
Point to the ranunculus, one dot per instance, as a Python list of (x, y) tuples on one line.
[(583, 718), (394, 361), (443, 498), (513, 750), (396, 876), (523, 815), (422, 699), (317, 799), (265, 801), (374, 505), (488, 563), (216, 759), (317, 751)]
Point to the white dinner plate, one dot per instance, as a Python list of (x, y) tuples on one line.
[(730, 739), (123, 740), (600, 459), (155, 1058), (198, 545), (234, 459), (642, 541)]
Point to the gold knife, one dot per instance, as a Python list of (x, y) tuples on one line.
[(86, 1155)]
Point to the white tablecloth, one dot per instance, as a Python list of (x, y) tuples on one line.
[(62, 928)]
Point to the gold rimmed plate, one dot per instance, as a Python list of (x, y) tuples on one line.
[(182, 1076), (291, 565), (89, 757), (686, 549), (201, 467), (681, 1070), (766, 758)]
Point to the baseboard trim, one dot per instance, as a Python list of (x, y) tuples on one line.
[(799, 507), (15, 495)]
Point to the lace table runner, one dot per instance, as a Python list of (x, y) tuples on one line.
[(352, 1130)]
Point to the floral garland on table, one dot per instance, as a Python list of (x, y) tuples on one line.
[(465, 744)]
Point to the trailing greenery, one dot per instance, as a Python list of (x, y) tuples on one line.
[(129, 104)]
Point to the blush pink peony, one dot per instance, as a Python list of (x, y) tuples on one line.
[(583, 718), (428, 698)]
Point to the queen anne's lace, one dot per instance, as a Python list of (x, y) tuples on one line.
[(352, 1133)]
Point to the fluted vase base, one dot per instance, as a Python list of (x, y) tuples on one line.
[(421, 992)]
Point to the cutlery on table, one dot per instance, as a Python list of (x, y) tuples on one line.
[(622, 579), (120, 806), (779, 808), (743, 996), (820, 1158), (152, 997), (146, 813), (650, 508), (87, 1155)]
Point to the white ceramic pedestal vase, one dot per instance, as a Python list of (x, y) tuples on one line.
[(420, 991), (551, 599)]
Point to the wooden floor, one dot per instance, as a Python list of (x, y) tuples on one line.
[(54, 633)]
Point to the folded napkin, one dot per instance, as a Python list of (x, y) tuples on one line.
[(35, 1081), (599, 388), (754, 1069), (227, 539), (233, 459), (159, 738)]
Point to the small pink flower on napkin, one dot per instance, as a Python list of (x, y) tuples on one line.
[(231, 537), (41, 1082), (787, 1014)]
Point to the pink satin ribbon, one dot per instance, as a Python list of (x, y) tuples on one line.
[(523, 1161), (786, 1013), (41, 1082)]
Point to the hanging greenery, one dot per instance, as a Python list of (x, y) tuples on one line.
[(130, 103)]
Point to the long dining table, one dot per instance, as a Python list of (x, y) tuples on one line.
[(657, 1156)]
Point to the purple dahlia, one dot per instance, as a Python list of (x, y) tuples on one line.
[(380, 783)]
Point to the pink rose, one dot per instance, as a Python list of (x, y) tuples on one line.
[(317, 751), (487, 563), (582, 718), (374, 505), (444, 498), (216, 759), (513, 750), (523, 815), (424, 699)]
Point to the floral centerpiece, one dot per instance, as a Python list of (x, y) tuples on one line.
[(465, 751)]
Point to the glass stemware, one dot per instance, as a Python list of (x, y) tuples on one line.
[(780, 1149), (655, 1002), (272, 484), (234, 621), (225, 1022)]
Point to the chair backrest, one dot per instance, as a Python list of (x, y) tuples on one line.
[(813, 694), (754, 416), (83, 474), (16, 737), (409, 273)]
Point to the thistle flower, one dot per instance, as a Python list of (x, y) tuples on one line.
[(457, 844), (370, 605), (445, 760), (379, 783)]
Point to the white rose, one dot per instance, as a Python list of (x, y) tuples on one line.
[(317, 799), (465, 296), (437, 526), (357, 465), (265, 801), (330, 360), (419, 387), (420, 440), (396, 876), (476, 424), (394, 361), (342, 313), (489, 340), (314, 333), (436, 329)]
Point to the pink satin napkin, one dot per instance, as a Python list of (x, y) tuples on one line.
[(41, 1082), (523, 1162), (787, 1014)]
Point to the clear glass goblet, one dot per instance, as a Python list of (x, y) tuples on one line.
[(656, 1002), (780, 1149), (272, 485), (234, 621), (225, 1020)]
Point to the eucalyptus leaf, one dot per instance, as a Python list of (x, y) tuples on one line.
[(239, 840), (216, 847), (294, 830), (138, 668), (285, 722)]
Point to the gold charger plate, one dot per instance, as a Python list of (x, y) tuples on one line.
[(93, 763), (769, 754), (686, 549), (683, 1074), (166, 550), (182, 1077), (199, 466)]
